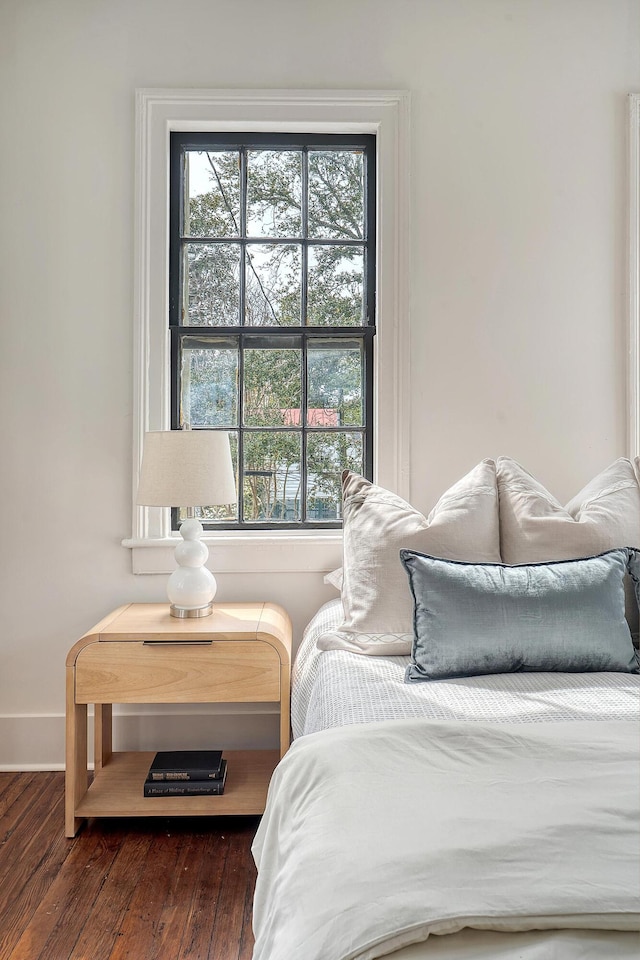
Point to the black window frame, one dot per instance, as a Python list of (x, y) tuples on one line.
[(180, 142)]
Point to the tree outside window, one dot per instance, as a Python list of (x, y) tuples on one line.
[(272, 276)]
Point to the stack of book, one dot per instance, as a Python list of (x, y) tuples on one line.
[(185, 773)]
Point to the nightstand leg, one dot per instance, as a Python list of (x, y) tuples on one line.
[(285, 711), (76, 777), (102, 734)]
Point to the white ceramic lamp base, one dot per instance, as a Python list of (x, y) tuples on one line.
[(192, 587)]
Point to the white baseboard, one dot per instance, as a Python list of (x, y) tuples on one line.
[(36, 742)]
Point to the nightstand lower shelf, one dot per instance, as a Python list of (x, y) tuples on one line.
[(117, 788)]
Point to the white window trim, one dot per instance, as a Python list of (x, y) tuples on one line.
[(634, 275), (158, 112)]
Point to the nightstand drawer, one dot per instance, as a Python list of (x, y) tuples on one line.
[(178, 672)]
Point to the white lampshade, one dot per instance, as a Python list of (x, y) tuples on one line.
[(186, 468)]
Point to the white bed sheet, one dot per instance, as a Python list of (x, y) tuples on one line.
[(332, 688)]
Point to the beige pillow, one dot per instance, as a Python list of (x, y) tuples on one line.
[(377, 602), (534, 527), (334, 578)]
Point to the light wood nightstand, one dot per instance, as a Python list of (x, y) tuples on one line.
[(140, 654)]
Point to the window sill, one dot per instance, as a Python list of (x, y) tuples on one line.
[(257, 552)]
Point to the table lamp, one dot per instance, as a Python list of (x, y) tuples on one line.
[(188, 468)]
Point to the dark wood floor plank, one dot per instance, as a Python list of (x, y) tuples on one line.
[(15, 801), (6, 778), (11, 787), (230, 912), (13, 862), (210, 905), (200, 923), (142, 928), (139, 889), (173, 913), (21, 846), (247, 939), (205, 867), (31, 885), (99, 935), (67, 906)]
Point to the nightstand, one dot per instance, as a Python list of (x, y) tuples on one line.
[(141, 654)]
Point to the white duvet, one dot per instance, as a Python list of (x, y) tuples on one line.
[(382, 835)]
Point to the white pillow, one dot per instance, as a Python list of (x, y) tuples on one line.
[(334, 579), (378, 608), (534, 527)]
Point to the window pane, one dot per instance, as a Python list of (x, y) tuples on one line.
[(328, 454), (224, 512), (334, 383), (334, 295), (336, 194), (274, 191), (209, 383), (273, 285), (269, 234), (272, 387), (212, 193), (271, 476), (211, 289)]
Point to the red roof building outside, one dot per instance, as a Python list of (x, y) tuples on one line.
[(316, 417)]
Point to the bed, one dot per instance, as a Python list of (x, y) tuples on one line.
[(333, 688), (489, 816)]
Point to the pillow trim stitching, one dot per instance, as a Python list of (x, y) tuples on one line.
[(535, 563), (621, 485)]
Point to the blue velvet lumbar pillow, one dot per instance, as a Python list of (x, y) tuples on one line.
[(480, 618), (634, 571)]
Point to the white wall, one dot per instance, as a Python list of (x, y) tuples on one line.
[(518, 267)]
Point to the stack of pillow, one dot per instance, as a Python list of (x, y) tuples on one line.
[(499, 577)]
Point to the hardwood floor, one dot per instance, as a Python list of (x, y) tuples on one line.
[(135, 889)]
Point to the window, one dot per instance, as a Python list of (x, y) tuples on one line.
[(159, 113), (272, 314)]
